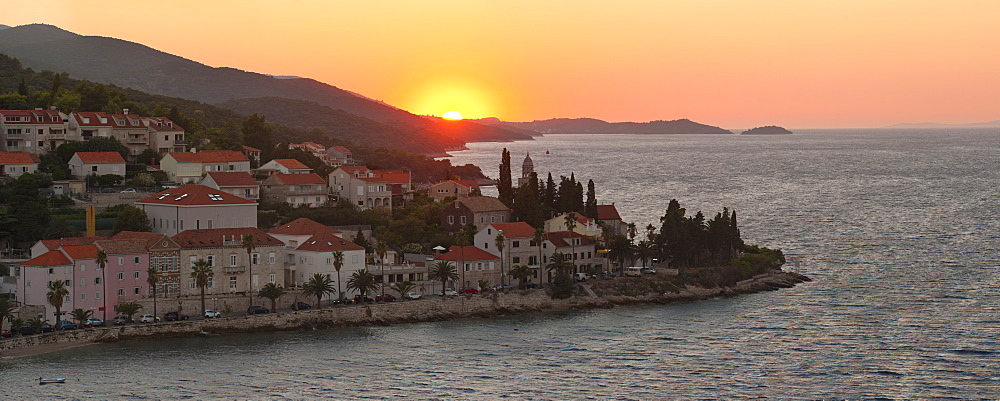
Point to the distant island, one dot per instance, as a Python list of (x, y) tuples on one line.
[(767, 130), (595, 126)]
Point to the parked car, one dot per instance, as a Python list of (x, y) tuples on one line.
[(467, 290), (174, 316), (530, 286), (93, 322), (27, 330), (450, 292), (67, 325), (211, 314), (500, 287), (47, 328), (413, 295), (108, 191), (128, 191), (358, 299), (8, 333), (257, 310), (119, 320), (301, 306), (648, 270), (147, 318), (581, 276), (385, 298)]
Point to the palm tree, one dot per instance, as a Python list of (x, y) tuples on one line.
[(521, 273), (631, 232), (249, 244), (483, 284), (16, 324), (570, 226), (362, 281), (500, 242), (201, 272), (153, 278), (272, 291), (651, 232), (102, 261), (443, 271), (643, 250), (129, 309), (403, 287), (338, 263), (7, 311), (56, 296), (539, 238), (380, 250), (36, 324), (318, 286), (559, 263), (620, 249), (81, 315)]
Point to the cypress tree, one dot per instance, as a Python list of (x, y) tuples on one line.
[(550, 199), (591, 206), (505, 186)]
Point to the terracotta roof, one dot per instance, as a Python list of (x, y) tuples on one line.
[(455, 253), (209, 156), (126, 121), (123, 246), (302, 226), (94, 118), (579, 217), (150, 238), (18, 158), (232, 178), (354, 169), (608, 212), (50, 258), (291, 164), (216, 237), (192, 194), (515, 230), (100, 157), (162, 124), (483, 204), (245, 147), (393, 176), (367, 179), (53, 244), (340, 149), (80, 251), (299, 179), (558, 238), (471, 184), (34, 116), (328, 242)]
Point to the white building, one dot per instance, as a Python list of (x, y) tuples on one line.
[(309, 249), (193, 207)]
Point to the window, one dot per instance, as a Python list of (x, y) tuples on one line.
[(121, 292), (515, 244), (493, 219), (355, 259), (135, 260), (211, 282), (83, 297), (83, 282), (451, 219), (121, 276), (532, 260), (211, 260), (255, 258), (482, 219), (68, 283), (135, 291), (516, 259), (232, 260), (271, 278), (83, 267), (97, 295), (136, 274), (97, 281), (463, 220), (270, 258), (329, 261), (193, 259), (93, 168), (232, 283)]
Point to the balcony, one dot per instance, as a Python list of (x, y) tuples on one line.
[(180, 142), (307, 192), (234, 269), (57, 135), (137, 140), (15, 136)]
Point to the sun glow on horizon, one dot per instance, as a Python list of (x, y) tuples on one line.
[(452, 115)]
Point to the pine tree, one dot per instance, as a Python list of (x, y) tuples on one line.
[(551, 198)]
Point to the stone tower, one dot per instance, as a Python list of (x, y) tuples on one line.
[(527, 168)]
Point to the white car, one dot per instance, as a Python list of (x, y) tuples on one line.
[(413, 295), (148, 319), (450, 293), (212, 314)]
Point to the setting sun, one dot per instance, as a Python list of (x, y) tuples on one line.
[(452, 115)]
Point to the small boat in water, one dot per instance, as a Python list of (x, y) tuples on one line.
[(51, 381)]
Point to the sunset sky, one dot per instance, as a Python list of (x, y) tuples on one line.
[(735, 64)]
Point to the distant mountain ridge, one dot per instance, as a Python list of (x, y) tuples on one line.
[(136, 66), (595, 126), (988, 124)]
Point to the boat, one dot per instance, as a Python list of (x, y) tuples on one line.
[(51, 381)]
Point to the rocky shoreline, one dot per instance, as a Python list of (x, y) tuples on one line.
[(435, 309)]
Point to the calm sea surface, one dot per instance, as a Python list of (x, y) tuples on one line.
[(899, 229)]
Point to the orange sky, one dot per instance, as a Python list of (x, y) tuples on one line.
[(735, 64)]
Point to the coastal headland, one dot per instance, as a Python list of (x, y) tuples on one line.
[(426, 310)]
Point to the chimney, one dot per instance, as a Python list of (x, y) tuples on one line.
[(124, 111)]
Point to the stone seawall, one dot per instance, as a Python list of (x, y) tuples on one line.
[(434, 309)]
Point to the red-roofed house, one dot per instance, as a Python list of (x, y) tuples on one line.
[(32, 131), (188, 167), (165, 135), (309, 248), (197, 207), (584, 225), (285, 166), (164, 255), (581, 249), (478, 210), (453, 188), (339, 156), (359, 186), (239, 183), (473, 264), (13, 164), (37, 273), (608, 215), (253, 154), (222, 248), (83, 164), (519, 244), (296, 189)]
